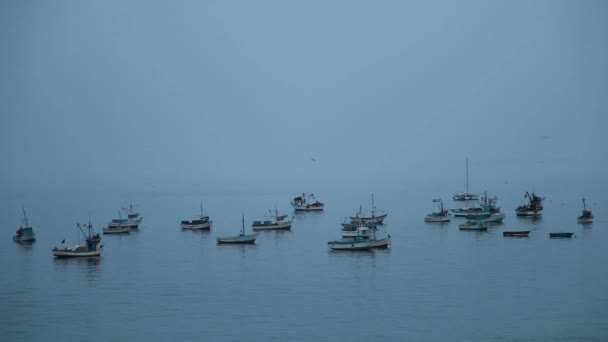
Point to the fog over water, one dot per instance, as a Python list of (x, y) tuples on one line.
[(215, 97)]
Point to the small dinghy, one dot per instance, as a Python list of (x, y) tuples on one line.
[(239, 239), (516, 233), (560, 235)]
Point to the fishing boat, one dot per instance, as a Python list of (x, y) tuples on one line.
[(376, 217), (443, 215), (486, 206), (201, 223), (587, 216), (133, 216), (91, 248), (274, 222), (474, 226), (25, 233), (307, 203), (534, 207), (466, 196), (364, 240), (118, 226), (516, 233), (242, 238), (561, 235), (493, 218), (354, 231)]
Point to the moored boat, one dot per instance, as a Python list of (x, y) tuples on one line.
[(516, 233), (534, 207), (443, 215), (365, 239), (201, 223), (274, 222), (376, 217), (242, 238), (474, 226), (25, 233), (118, 226), (133, 216), (587, 216), (493, 218), (485, 208), (466, 196), (91, 248), (307, 203), (561, 235)]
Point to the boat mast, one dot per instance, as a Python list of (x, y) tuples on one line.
[(243, 219), (584, 205), (467, 175), (201, 209), (26, 223)]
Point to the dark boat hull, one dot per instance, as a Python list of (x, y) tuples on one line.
[(561, 235), (521, 233)]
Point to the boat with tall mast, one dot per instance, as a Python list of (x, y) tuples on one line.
[(486, 207), (534, 207), (201, 223), (91, 248), (376, 217), (587, 216), (25, 233), (307, 202), (466, 196), (274, 222), (242, 238)]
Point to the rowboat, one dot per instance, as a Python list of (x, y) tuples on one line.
[(516, 233), (561, 235)]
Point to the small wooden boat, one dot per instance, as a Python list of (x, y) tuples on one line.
[(307, 203), (443, 215), (587, 216), (561, 235), (25, 233), (202, 223), (89, 249), (478, 226), (275, 222), (242, 238), (516, 233), (534, 207)]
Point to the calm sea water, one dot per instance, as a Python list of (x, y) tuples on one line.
[(434, 283)]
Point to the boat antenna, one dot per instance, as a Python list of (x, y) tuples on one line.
[(25, 222), (243, 222), (201, 208), (467, 175)]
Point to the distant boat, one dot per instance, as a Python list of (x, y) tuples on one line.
[(118, 226), (364, 240), (202, 223), (25, 233), (486, 207), (443, 215), (307, 203), (133, 216), (242, 238), (275, 222), (516, 233), (587, 216), (561, 235), (466, 196), (91, 247), (376, 217), (474, 226), (534, 207)]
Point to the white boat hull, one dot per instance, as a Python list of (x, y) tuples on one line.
[(584, 220), (275, 226), (67, 253), (520, 212), (117, 230), (241, 239), (369, 220), (350, 244), (297, 207)]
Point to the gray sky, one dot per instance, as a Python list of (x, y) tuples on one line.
[(216, 95)]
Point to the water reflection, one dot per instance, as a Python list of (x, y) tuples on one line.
[(91, 266)]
